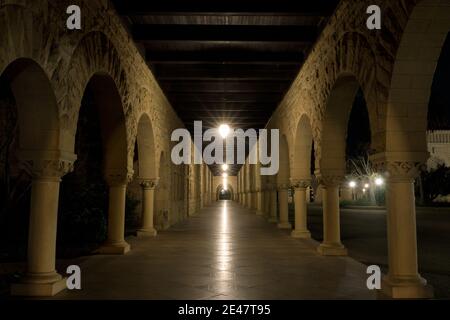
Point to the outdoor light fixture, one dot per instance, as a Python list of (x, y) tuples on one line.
[(224, 130), (352, 184), (379, 181), (225, 167)]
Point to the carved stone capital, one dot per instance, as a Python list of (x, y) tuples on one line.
[(400, 170), (49, 169), (330, 180), (283, 186), (300, 183), (149, 184), (119, 179)]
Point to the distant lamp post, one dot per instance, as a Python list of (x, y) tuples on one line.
[(379, 182), (352, 185)]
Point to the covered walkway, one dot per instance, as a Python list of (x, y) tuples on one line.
[(224, 252)]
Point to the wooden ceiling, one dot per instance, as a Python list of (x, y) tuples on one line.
[(225, 61)]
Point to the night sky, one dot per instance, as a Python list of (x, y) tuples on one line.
[(439, 108)]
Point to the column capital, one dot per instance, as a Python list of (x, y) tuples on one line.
[(399, 166), (300, 183), (49, 168), (400, 170), (149, 184), (330, 180), (119, 178), (283, 186)]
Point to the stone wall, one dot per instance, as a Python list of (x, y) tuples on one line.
[(347, 48), (36, 30)]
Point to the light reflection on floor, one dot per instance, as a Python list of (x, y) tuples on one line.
[(224, 252)]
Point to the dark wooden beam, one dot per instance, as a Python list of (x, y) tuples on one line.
[(172, 72), (226, 57), (225, 86), (230, 98), (260, 33), (183, 7)]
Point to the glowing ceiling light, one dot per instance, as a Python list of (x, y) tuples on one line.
[(225, 175), (224, 130), (352, 184), (225, 167)]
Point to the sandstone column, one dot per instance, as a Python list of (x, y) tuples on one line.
[(148, 199), (248, 199), (115, 243), (403, 279), (331, 245), (41, 278), (259, 209), (283, 206), (273, 216), (301, 227)]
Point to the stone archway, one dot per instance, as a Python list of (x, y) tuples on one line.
[(161, 196), (405, 139), (283, 185), (38, 148), (224, 194), (102, 94), (331, 166), (301, 175), (147, 174)]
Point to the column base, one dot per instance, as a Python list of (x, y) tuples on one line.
[(39, 285), (259, 213), (146, 233), (272, 220), (305, 234), (284, 225), (115, 248), (405, 288), (332, 250)]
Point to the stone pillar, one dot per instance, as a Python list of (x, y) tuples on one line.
[(115, 243), (41, 278), (308, 194), (403, 279), (273, 217), (148, 199), (248, 199), (301, 226), (331, 245), (267, 202), (346, 194), (255, 200), (283, 206), (259, 209), (318, 195)]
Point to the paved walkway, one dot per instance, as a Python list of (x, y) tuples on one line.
[(225, 252)]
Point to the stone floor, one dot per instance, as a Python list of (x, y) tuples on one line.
[(225, 252)]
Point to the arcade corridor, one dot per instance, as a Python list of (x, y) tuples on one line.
[(224, 252), (122, 122)]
